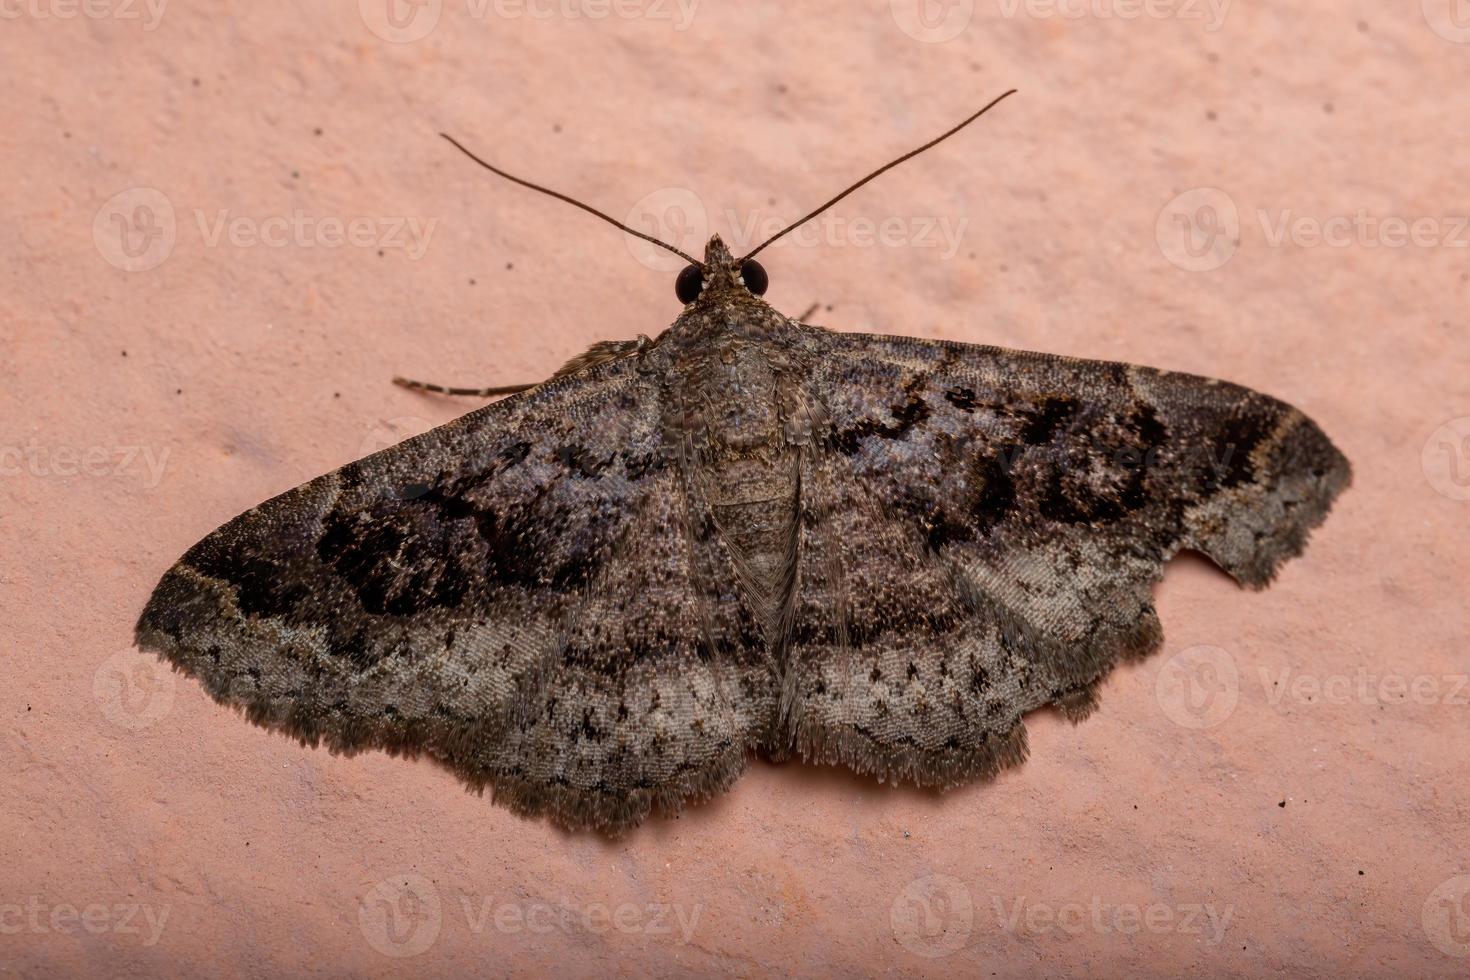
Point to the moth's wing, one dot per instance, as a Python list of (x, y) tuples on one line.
[(890, 667), (982, 529), (661, 688), (506, 592)]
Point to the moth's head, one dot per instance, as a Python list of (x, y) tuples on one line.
[(719, 272)]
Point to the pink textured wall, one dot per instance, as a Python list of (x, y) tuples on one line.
[(191, 321)]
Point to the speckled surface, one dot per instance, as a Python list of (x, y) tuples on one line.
[(1280, 791)]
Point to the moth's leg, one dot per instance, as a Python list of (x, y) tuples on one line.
[(606, 350), (809, 311), (473, 392)]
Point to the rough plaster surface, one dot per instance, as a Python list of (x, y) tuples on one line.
[(1281, 791)]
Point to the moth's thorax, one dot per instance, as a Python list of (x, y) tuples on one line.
[(736, 372), (726, 314)]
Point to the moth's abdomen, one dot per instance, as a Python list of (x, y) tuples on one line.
[(754, 503), (746, 468)]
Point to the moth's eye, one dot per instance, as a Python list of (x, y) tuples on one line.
[(689, 283), (755, 277)]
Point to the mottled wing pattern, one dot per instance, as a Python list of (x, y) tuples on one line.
[(510, 593), (983, 527)]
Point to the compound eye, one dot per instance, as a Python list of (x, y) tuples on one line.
[(689, 283), (754, 275)]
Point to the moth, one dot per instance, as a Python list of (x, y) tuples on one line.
[(603, 594)]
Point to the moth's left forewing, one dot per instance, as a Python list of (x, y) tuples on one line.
[(509, 593), (396, 600)]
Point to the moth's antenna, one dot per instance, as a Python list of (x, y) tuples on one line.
[(570, 200), (886, 167)]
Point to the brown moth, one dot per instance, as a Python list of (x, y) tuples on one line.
[(749, 535)]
